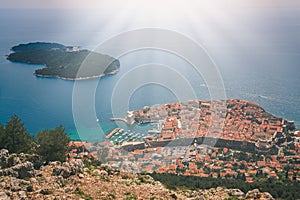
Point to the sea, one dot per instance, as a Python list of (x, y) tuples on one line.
[(257, 55)]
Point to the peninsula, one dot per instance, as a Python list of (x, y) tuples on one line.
[(240, 120), (65, 62), (211, 143)]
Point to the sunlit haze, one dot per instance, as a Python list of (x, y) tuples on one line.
[(185, 94)]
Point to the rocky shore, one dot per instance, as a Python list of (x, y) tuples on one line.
[(24, 176), (77, 78)]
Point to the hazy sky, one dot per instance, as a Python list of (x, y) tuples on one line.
[(115, 4)]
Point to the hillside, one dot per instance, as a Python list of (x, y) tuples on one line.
[(23, 177)]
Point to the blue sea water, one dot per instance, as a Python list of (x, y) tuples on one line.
[(265, 71)]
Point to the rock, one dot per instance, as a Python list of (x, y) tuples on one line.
[(61, 171), (174, 196), (18, 165), (33, 180), (46, 191), (2, 184), (25, 170), (103, 173), (55, 163), (12, 160), (115, 166), (68, 168), (8, 172), (36, 160), (22, 194), (75, 166), (3, 195), (256, 194), (13, 184), (4, 153), (98, 172), (237, 192), (253, 194), (68, 189), (80, 175), (3, 157)]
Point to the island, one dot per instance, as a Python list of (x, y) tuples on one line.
[(65, 62)]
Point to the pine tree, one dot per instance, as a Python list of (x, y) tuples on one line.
[(15, 138), (53, 144), (2, 137)]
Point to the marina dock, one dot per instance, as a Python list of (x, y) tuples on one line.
[(119, 119), (129, 122), (112, 133)]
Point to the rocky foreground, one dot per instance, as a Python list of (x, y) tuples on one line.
[(24, 177)]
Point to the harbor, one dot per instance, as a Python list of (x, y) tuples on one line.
[(120, 136), (136, 133)]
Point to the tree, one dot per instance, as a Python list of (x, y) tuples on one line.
[(241, 176), (53, 144), (15, 138), (2, 137)]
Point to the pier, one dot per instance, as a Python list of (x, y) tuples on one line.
[(119, 119), (112, 133), (128, 120), (125, 120)]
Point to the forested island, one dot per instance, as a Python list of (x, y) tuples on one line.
[(65, 62)]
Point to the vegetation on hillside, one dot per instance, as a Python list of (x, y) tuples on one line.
[(277, 188), (38, 46), (52, 145)]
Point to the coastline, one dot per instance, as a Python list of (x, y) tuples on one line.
[(77, 78)]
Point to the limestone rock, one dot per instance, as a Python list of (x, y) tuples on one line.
[(237, 193), (22, 195), (3, 196), (256, 194), (68, 168), (80, 175), (24, 170)]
